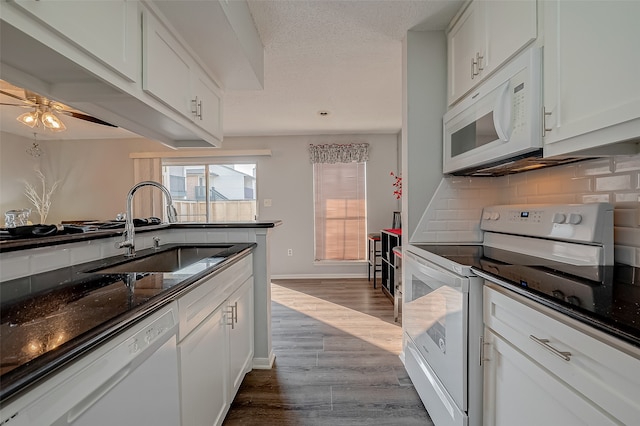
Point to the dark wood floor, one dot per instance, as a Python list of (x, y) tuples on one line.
[(336, 348)]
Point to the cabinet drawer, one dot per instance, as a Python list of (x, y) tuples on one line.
[(603, 374), (206, 296)]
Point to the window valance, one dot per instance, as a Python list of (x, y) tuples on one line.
[(339, 153)]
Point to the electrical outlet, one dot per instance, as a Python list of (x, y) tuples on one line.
[(267, 202), (290, 252)]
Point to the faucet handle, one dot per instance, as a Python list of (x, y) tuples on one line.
[(124, 244), (172, 214)]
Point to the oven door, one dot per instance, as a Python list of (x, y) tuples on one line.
[(435, 319)]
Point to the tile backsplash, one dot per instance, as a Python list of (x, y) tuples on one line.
[(615, 180)]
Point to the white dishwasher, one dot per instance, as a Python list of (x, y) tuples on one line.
[(130, 380)]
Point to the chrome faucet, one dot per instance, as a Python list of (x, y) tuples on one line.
[(129, 230)]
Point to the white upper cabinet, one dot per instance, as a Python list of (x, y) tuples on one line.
[(206, 104), (462, 46), (106, 30), (171, 75), (485, 36), (166, 69), (509, 26), (591, 68)]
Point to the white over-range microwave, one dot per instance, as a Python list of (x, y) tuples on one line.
[(499, 122)]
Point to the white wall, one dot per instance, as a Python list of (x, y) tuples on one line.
[(97, 174), (424, 103), (286, 178), (94, 175)]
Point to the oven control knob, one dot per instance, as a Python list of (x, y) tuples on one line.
[(574, 218), (442, 345), (559, 218), (573, 300), (495, 216), (486, 216)]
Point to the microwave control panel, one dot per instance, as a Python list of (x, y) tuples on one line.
[(518, 106)]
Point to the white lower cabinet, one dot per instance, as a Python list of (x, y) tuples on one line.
[(518, 391), (203, 373), (215, 346), (240, 335), (543, 368)]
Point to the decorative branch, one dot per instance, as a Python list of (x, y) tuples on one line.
[(397, 184), (41, 202)]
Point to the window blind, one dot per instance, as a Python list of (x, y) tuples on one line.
[(340, 211)]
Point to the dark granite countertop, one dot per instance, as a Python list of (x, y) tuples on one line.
[(7, 245), (49, 319)]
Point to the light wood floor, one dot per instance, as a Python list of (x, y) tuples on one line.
[(336, 348)]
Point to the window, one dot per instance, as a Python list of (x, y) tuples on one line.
[(340, 211), (212, 192)]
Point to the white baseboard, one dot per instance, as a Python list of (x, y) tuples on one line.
[(316, 276), (264, 363)]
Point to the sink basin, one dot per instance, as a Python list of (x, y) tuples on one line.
[(164, 261)]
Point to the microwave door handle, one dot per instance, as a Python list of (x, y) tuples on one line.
[(502, 114)]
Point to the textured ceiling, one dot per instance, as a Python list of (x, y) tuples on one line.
[(340, 56)]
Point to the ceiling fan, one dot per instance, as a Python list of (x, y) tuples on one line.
[(43, 110)]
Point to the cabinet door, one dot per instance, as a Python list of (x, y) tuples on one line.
[(591, 66), (462, 42), (208, 102), (517, 391), (240, 335), (509, 26), (107, 30), (166, 70), (203, 364)]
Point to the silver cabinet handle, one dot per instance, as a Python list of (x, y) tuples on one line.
[(479, 61), (473, 68), (544, 122), (545, 344), (194, 107), (231, 312), (235, 310)]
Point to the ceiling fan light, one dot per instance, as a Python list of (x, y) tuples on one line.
[(29, 118), (52, 122)]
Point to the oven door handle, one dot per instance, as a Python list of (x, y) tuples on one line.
[(440, 275)]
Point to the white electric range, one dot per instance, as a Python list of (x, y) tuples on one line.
[(558, 253)]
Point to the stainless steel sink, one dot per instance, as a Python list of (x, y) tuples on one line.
[(164, 261)]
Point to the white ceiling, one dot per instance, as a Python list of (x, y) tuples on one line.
[(340, 56)]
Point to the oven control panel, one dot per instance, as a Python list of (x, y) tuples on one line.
[(590, 223)]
